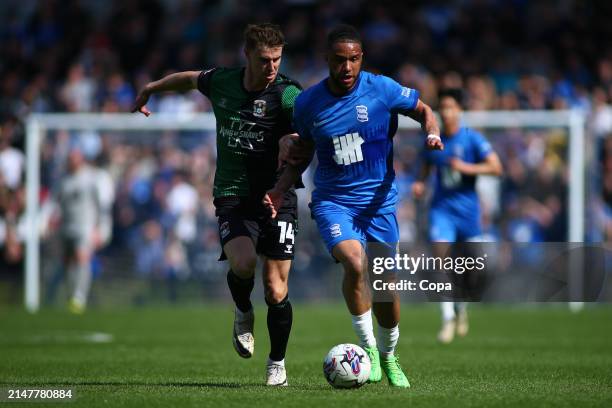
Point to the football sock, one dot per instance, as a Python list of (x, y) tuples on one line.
[(280, 363), (241, 291), (362, 324), (448, 310), (280, 319), (387, 340)]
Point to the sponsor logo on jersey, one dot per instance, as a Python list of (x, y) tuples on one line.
[(259, 108), (241, 133), (362, 113), (406, 92), (289, 249), (348, 149), (335, 231)]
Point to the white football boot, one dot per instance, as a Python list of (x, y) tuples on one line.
[(276, 375), (243, 339)]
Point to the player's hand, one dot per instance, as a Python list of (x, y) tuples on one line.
[(418, 189), (273, 201), (433, 142), (141, 102)]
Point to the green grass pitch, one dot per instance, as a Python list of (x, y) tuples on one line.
[(163, 357)]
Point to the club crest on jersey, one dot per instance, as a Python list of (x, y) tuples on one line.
[(335, 231), (259, 108), (362, 113)]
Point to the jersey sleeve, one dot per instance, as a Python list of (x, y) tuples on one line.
[(288, 97), (299, 118), (399, 98), (205, 81), (481, 146)]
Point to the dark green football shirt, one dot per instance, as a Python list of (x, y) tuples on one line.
[(249, 126)]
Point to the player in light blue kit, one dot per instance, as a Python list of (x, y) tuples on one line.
[(350, 119), (454, 214)]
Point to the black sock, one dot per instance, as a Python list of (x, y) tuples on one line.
[(280, 318), (241, 290)]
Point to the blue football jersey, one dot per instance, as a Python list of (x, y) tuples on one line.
[(456, 192), (353, 137)]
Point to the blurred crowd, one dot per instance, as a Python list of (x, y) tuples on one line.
[(91, 56)]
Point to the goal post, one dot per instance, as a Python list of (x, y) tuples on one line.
[(38, 124)]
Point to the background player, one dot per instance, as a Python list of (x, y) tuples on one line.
[(350, 119), (253, 106), (455, 211), (82, 225)]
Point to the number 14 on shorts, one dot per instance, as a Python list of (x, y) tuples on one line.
[(286, 232)]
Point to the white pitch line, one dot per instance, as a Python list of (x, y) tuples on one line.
[(71, 337)]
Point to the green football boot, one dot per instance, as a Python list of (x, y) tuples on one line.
[(375, 372), (394, 373)]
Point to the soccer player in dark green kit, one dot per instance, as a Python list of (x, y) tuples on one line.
[(253, 106)]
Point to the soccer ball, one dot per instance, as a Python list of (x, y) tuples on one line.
[(346, 366)]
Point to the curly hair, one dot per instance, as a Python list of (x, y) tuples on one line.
[(343, 33)]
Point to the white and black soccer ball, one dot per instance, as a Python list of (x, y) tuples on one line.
[(346, 366)]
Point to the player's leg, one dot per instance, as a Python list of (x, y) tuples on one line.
[(238, 248), (277, 246), (280, 317), (382, 233), (447, 307), (470, 280), (344, 243), (443, 231), (351, 254), (80, 270), (240, 253)]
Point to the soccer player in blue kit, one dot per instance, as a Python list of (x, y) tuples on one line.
[(454, 214), (350, 119)]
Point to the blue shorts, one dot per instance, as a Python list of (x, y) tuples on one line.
[(337, 224), (445, 226)]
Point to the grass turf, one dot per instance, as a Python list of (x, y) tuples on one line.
[(183, 356)]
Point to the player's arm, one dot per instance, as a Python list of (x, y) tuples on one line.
[(177, 82), (299, 157), (290, 151), (423, 114), (491, 165)]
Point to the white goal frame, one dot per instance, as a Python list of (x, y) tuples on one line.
[(38, 124)]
